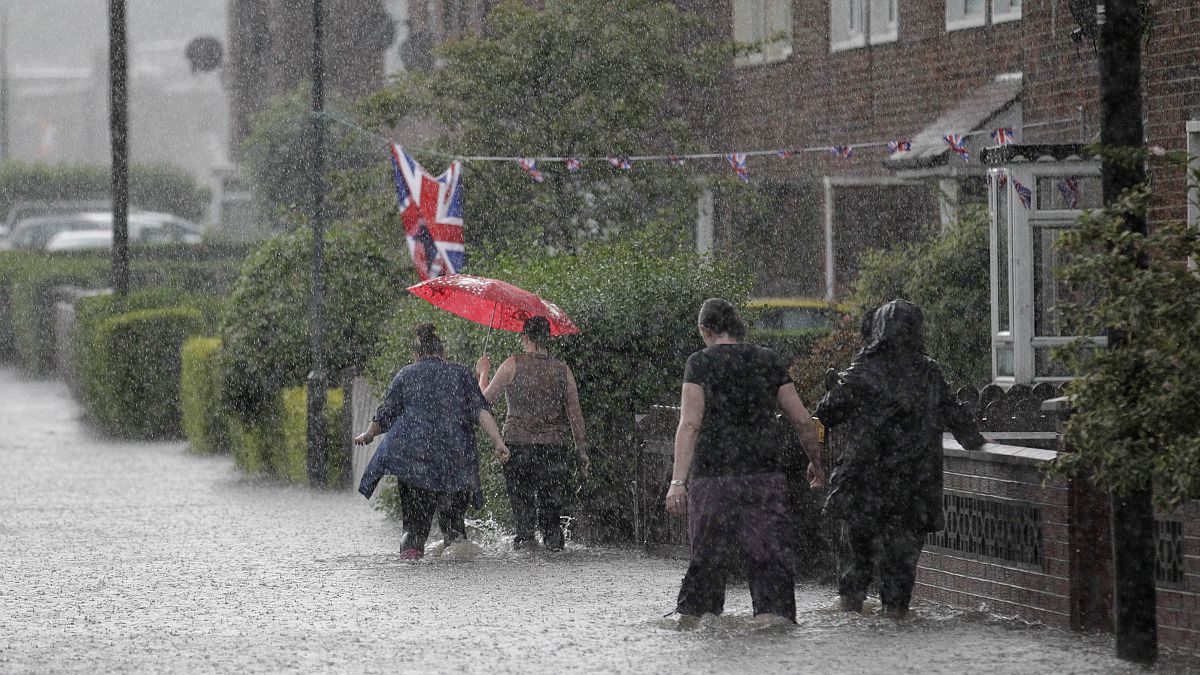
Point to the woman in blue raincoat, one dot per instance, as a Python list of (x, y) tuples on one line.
[(429, 415)]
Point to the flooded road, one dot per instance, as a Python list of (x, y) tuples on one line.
[(140, 557)]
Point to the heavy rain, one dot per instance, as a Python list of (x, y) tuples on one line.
[(839, 336)]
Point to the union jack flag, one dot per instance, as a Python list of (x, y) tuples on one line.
[(955, 141), (1069, 187), (898, 146), (431, 210), (1003, 135), (843, 151), (574, 165), (785, 153), (737, 162), (1023, 193), (676, 160), (622, 163), (530, 167)]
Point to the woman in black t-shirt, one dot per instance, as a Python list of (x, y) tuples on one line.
[(727, 476)]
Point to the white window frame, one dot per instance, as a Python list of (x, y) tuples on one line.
[(1011, 13), (968, 20), (887, 32), (854, 36), (771, 52)]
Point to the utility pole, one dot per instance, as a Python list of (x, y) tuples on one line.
[(118, 124), (317, 379), (1133, 528)]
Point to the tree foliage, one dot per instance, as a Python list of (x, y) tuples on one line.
[(957, 324), (575, 78), (1135, 401)]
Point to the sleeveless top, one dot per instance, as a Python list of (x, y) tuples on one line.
[(537, 401)]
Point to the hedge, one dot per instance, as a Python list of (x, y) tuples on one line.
[(265, 332), (151, 187), (251, 439), (28, 280), (204, 423), (789, 344), (289, 455), (635, 303), (137, 358)]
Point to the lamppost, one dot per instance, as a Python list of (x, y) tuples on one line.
[(118, 124), (317, 378)]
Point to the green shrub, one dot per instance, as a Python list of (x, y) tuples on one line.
[(32, 306), (138, 357), (251, 440), (204, 423), (958, 324), (265, 332), (789, 344), (28, 280), (635, 303), (289, 456), (153, 188)]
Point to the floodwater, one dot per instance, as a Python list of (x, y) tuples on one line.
[(140, 557)]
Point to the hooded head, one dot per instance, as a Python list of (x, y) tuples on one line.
[(897, 327)]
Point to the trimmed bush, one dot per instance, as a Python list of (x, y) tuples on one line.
[(204, 423), (251, 440), (289, 456), (137, 358), (28, 280), (32, 304), (265, 332)]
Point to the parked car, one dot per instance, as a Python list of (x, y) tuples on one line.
[(34, 234), (794, 314), (26, 209), (80, 240)]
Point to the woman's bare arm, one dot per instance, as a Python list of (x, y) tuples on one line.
[(691, 414), (802, 422)]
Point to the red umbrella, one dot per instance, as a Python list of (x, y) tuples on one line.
[(491, 302)]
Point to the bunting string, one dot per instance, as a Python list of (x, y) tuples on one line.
[(736, 160)]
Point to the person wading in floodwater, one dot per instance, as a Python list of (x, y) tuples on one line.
[(429, 415), (543, 409), (728, 477), (892, 405)]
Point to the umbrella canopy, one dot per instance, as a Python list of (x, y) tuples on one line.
[(491, 302)]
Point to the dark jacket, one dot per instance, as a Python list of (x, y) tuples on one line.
[(891, 407), (429, 414)]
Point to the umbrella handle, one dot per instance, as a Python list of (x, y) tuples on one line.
[(491, 322)]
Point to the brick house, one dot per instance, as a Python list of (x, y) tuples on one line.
[(847, 72)]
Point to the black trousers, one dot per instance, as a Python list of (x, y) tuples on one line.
[(896, 550), (739, 516), (537, 476), (419, 505)]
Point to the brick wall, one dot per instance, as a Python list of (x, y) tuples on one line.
[(1179, 603), (1034, 592)]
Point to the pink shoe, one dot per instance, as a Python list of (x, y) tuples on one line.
[(411, 554)]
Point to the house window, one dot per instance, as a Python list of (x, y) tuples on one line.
[(965, 14), (854, 23), (766, 23), (884, 21), (1005, 10)]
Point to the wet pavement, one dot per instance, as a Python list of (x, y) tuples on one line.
[(141, 557)]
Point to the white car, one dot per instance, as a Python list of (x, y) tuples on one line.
[(80, 240), (147, 227)]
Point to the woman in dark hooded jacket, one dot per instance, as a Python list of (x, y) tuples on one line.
[(892, 405)]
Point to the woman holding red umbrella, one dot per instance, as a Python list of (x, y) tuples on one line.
[(543, 409)]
